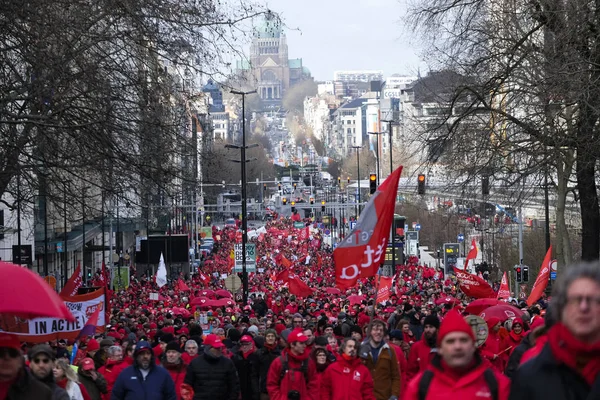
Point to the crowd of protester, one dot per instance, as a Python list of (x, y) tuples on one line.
[(324, 345)]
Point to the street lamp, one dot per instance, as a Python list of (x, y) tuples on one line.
[(389, 122), (244, 200), (358, 149)]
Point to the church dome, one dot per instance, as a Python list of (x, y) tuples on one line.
[(270, 27)]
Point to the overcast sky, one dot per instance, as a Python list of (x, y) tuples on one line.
[(348, 35)]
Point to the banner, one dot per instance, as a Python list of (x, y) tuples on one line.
[(45, 329), (542, 279), (504, 291), (384, 289), (473, 286), (120, 278), (471, 255), (361, 253)]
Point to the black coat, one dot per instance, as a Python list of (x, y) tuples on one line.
[(264, 358), (245, 368), (515, 357), (95, 388), (543, 378), (213, 378), (26, 387)]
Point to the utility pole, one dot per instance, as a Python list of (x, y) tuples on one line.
[(389, 123), (358, 149), (243, 161)]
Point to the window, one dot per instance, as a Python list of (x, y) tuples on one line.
[(349, 130)]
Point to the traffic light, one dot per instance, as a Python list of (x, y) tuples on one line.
[(519, 273), (372, 183), (279, 186), (264, 187), (284, 201), (485, 185), (312, 200), (421, 184), (525, 274), (348, 179), (295, 186), (339, 180), (322, 205), (293, 206)]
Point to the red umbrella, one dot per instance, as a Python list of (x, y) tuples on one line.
[(502, 311), (356, 298), (447, 300), (201, 301), (223, 302), (207, 293), (333, 290), (476, 307), (223, 293), (26, 295)]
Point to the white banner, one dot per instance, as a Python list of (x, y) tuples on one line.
[(81, 310)]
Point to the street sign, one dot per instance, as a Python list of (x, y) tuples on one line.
[(418, 227), (553, 275), (326, 232), (250, 258), (460, 237), (299, 225), (388, 255), (352, 224), (451, 252), (412, 241), (554, 265), (59, 247), (414, 225)]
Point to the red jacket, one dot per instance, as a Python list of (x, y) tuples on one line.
[(512, 341), (110, 371), (493, 346), (293, 379), (187, 359), (446, 386), (347, 380), (177, 372), (419, 358)]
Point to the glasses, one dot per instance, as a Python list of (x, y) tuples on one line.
[(9, 351), (41, 361), (578, 300)]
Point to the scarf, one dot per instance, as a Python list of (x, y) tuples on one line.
[(454, 373), (63, 383), (581, 357)]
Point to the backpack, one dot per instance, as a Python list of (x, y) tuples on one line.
[(488, 375), (285, 368)]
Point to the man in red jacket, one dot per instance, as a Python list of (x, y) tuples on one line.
[(457, 371), (347, 378), (293, 371), (492, 348), (111, 370), (422, 352)]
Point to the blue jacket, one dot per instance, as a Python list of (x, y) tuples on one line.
[(130, 385)]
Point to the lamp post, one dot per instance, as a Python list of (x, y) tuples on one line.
[(392, 234), (358, 149), (244, 199)]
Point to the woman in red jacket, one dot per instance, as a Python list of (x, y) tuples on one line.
[(321, 359), (347, 378), (516, 334)]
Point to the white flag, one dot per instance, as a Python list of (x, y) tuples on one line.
[(161, 274)]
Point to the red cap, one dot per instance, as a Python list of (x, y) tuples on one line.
[(93, 345), (454, 322), (246, 339), (517, 321), (87, 364), (213, 340), (297, 335), (10, 341), (492, 322)]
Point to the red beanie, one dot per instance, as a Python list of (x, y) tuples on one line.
[(454, 322), (92, 345), (279, 328), (492, 322)]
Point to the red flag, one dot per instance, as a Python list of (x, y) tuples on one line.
[(205, 279), (384, 288), (89, 328), (74, 283), (360, 254), (472, 254), (105, 283), (303, 234), (504, 292), (182, 286), (283, 276), (285, 262), (473, 286), (542, 279), (298, 287)]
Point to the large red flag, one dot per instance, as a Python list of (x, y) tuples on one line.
[(298, 287), (360, 254), (384, 289), (74, 282), (473, 286), (504, 292), (542, 279), (181, 285), (284, 276), (472, 254)]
